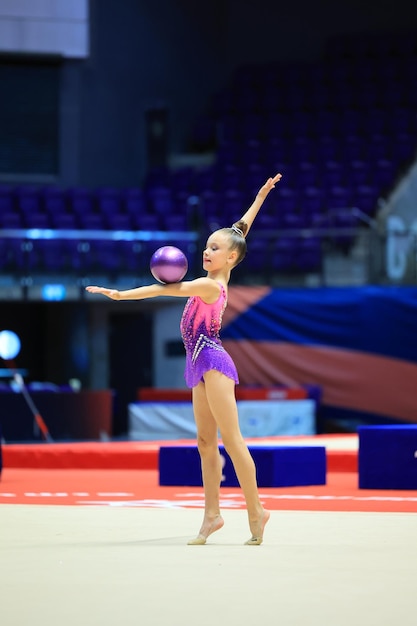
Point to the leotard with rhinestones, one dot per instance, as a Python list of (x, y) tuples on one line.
[(200, 330)]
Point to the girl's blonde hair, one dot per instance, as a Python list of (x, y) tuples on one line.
[(236, 234)]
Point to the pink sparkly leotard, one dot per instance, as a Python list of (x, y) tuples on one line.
[(200, 330)]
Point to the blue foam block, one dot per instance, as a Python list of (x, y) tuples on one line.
[(387, 457), (276, 466)]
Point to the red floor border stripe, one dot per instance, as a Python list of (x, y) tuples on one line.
[(141, 489), (121, 455)]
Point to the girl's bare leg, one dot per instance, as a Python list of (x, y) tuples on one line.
[(210, 464), (220, 393)]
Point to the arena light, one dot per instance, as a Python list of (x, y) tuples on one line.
[(9, 345), (53, 292)]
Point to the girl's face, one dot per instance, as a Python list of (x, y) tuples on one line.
[(217, 253)]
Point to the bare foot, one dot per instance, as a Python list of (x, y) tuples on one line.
[(208, 527), (258, 530)]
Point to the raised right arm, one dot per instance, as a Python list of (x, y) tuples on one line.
[(252, 212)]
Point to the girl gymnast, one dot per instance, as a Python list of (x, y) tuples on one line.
[(210, 371)]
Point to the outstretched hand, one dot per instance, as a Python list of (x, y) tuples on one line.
[(114, 294), (270, 184)]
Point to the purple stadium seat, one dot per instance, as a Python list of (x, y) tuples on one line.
[(253, 175), (183, 200), (174, 223), (36, 220), (108, 201), (92, 221), (229, 177), (107, 255), (134, 204), (309, 255), (303, 149), (81, 200), (343, 218), (119, 221), (146, 221), (403, 120), (54, 200), (80, 255), (293, 221), (53, 254), (268, 222), (339, 197), (13, 255), (135, 255), (285, 200), (64, 221), (358, 172), (28, 200), (234, 203), (11, 220), (307, 174), (383, 174), (333, 173), (404, 147), (378, 146), (327, 148), (257, 255), (210, 202), (320, 221), (6, 199), (55, 205), (30, 254), (284, 255), (275, 150), (311, 200), (353, 147), (160, 200), (366, 198)]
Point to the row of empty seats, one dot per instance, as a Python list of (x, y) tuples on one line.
[(101, 209), (290, 204), (126, 257), (346, 121), (84, 256), (342, 132)]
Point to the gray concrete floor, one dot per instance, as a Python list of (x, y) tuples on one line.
[(105, 566)]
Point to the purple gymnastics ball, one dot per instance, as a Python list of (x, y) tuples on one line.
[(168, 264)]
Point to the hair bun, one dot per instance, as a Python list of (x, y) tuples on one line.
[(237, 230)]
